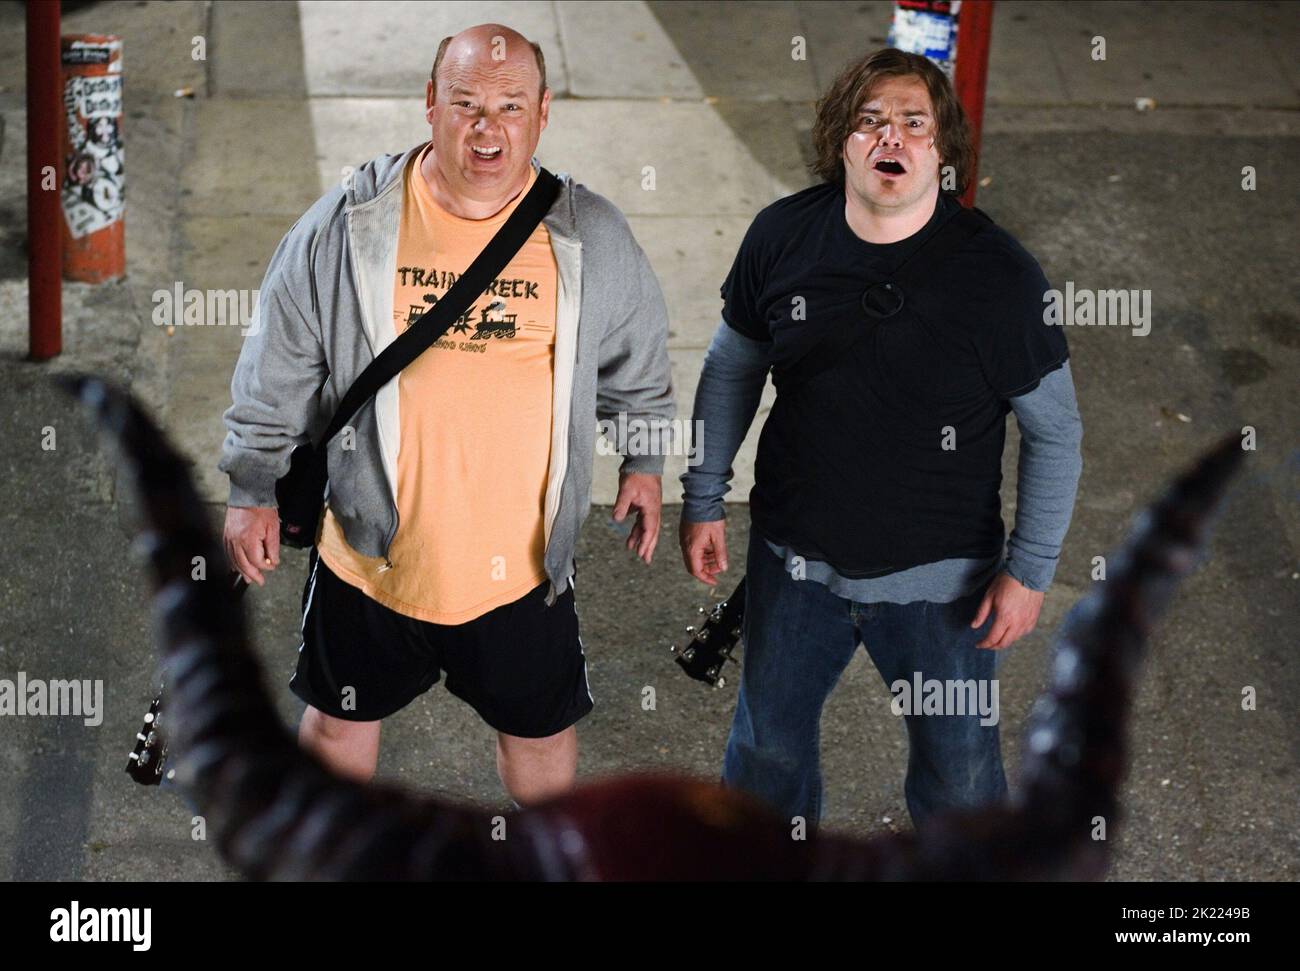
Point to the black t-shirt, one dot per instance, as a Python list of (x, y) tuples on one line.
[(892, 457)]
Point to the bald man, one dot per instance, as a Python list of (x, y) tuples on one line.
[(455, 500)]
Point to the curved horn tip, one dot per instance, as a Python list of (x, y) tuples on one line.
[(112, 406), (87, 388), (1209, 476)]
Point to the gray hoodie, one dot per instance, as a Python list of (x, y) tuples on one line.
[(325, 310)]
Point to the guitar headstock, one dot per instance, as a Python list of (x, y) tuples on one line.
[(146, 761), (712, 643)]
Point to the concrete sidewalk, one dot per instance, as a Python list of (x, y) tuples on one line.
[(707, 94)]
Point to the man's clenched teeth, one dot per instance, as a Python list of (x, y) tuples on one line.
[(491, 152)]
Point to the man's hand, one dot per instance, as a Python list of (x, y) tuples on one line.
[(252, 538), (643, 492), (704, 549), (1015, 608)]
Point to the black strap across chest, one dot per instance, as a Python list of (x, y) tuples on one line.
[(435, 321)]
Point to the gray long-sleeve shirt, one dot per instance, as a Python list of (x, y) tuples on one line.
[(726, 400)]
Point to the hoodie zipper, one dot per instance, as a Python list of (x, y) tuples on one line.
[(392, 492), (574, 305)]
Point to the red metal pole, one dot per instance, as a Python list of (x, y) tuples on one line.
[(44, 177), (974, 28)]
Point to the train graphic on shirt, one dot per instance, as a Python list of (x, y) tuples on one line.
[(492, 322)]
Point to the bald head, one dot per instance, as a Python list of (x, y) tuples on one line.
[(493, 49)]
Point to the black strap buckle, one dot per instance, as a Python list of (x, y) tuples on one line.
[(881, 300)]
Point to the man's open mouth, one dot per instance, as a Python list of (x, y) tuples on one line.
[(486, 153), (889, 166)]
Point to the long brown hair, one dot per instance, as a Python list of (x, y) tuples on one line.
[(838, 108)]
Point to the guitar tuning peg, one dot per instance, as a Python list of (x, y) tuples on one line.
[(672, 648), (689, 653), (699, 610), (690, 629)]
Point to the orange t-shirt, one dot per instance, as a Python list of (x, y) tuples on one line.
[(475, 413)]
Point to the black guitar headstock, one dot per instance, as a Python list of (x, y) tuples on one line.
[(147, 760), (711, 645)]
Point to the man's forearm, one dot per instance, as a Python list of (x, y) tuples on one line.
[(726, 400), (1048, 477)]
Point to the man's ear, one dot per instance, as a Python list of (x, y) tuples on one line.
[(546, 108), (429, 94)]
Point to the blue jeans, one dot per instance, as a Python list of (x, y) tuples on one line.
[(798, 639)]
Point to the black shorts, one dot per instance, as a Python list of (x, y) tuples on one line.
[(520, 666)]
